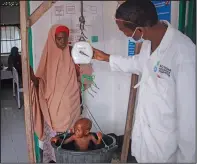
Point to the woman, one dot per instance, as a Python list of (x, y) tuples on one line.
[(14, 60), (55, 90)]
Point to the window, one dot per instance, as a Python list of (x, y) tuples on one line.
[(10, 37)]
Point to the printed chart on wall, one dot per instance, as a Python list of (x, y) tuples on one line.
[(163, 9), (68, 13)]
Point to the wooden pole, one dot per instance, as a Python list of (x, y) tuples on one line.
[(26, 83), (130, 112), (37, 14)]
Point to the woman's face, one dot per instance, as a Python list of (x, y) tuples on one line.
[(61, 40)]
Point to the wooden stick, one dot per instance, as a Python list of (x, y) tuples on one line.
[(26, 83), (37, 14), (130, 112)]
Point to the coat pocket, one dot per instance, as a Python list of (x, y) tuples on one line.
[(162, 86)]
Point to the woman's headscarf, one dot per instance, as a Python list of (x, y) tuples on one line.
[(58, 99), (62, 29)]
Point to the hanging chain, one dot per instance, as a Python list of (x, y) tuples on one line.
[(82, 24)]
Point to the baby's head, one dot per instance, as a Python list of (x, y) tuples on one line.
[(82, 127)]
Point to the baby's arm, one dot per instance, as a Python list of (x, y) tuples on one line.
[(70, 139), (55, 139), (96, 142)]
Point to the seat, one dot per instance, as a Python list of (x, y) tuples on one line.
[(18, 86)]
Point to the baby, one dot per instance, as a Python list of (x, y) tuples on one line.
[(82, 136)]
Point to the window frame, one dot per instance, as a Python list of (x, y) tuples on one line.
[(10, 25)]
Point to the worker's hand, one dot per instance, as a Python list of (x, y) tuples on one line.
[(99, 135), (100, 55), (54, 139)]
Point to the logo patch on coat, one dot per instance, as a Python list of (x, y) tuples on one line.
[(165, 70)]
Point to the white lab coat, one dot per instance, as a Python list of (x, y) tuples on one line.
[(164, 127)]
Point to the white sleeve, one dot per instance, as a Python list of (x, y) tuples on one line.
[(186, 112), (133, 64), (125, 64)]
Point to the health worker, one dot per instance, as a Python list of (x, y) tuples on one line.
[(164, 127)]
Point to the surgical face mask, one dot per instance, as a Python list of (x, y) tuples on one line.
[(131, 39), (132, 43)]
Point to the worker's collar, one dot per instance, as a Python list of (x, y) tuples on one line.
[(167, 38)]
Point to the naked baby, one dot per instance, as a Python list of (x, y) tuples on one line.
[(82, 136)]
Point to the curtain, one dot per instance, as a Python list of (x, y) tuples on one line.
[(187, 18)]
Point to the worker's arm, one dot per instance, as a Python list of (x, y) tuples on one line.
[(132, 64), (186, 111), (125, 64)]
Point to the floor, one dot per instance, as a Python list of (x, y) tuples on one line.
[(13, 140)]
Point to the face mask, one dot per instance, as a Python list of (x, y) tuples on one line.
[(136, 41), (132, 42)]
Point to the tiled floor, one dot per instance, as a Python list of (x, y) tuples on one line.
[(13, 140)]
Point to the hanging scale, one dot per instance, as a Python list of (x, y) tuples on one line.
[(82, 52)]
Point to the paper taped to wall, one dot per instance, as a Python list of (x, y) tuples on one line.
[(68, 13)]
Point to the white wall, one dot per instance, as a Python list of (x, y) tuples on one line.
[(109, 106)]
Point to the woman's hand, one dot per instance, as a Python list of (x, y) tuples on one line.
[(36, 82), (100, 55), (34, 79)]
